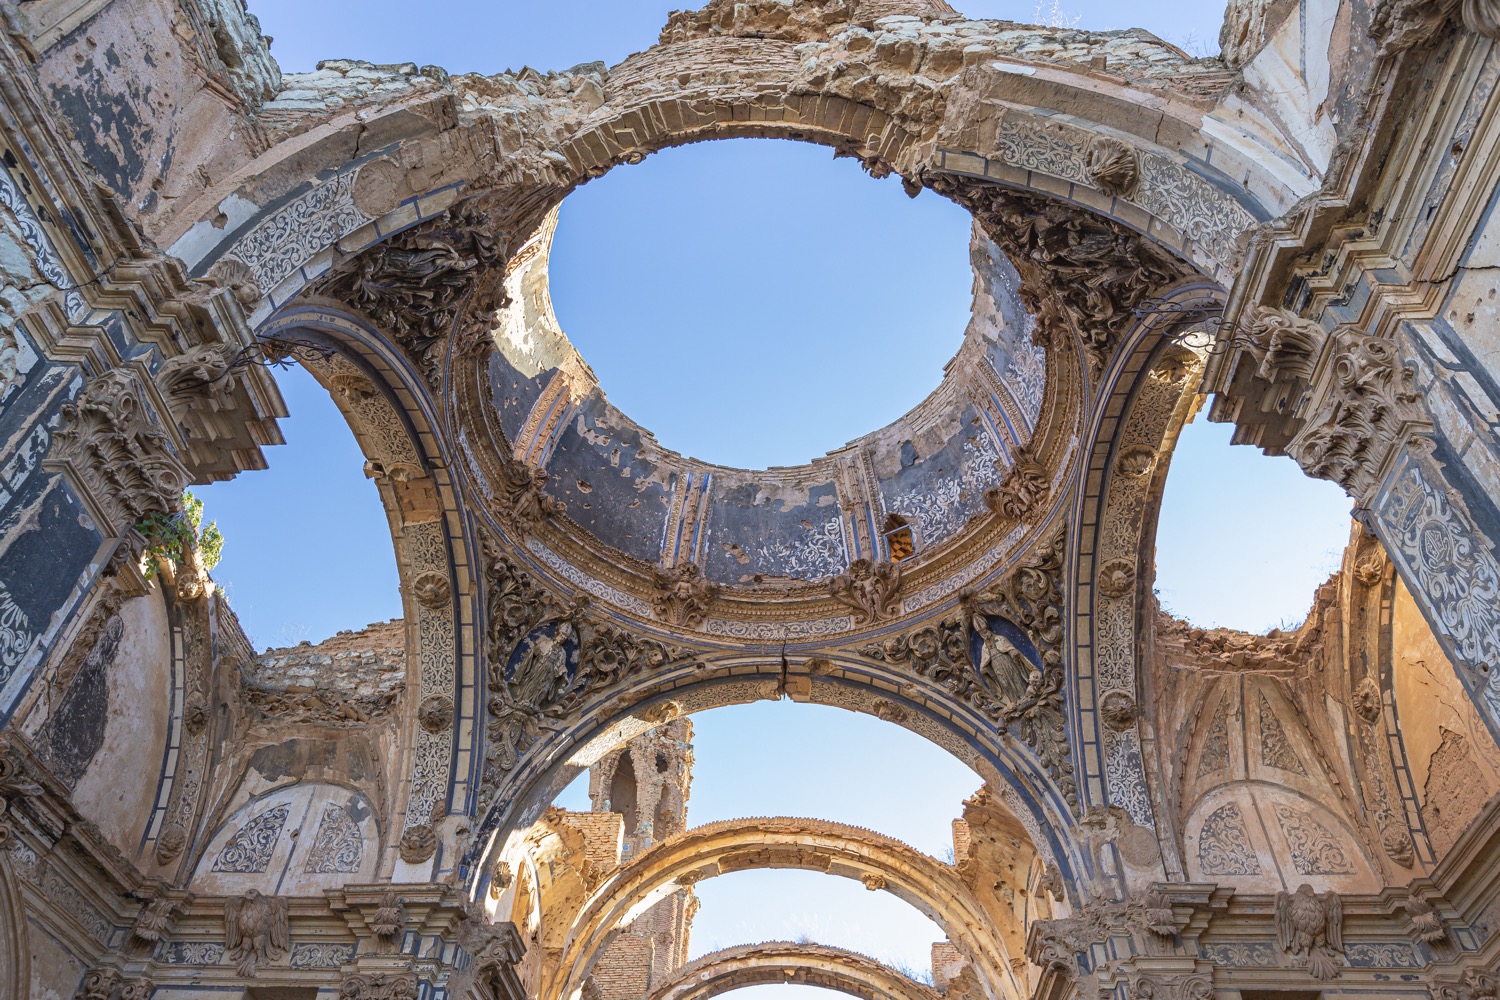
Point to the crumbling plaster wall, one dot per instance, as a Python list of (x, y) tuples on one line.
[(111, 718), (1454, 762), (161, 96)]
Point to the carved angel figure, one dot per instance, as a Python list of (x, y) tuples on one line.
[(1310, 926), (682, 595), (525, 496), (255, 931), (869, 589)]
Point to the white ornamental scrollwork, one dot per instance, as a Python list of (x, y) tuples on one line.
[(1452, 566)]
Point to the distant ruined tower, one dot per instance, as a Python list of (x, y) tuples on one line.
[(646, 783)]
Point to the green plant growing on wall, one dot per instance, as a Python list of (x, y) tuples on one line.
[(174, 537)]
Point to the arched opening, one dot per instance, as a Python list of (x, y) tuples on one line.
[(1276, 534), (622, 797), (733, 317), (307, 549), (754, 760)]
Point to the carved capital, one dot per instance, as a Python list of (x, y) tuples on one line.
[(1363, 397), (111, 448), (1157, 986)]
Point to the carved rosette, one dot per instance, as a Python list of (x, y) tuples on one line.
[(682, 595), (870, 589), (111, 448), (418, 844), (432, 590), (1363, 399), (1113, 166)]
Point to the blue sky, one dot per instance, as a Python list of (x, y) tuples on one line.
[(807, 304)]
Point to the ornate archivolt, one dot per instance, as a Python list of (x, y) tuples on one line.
[(441, 571), (810, 845), (785, 962)]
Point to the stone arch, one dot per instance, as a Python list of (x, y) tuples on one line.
[(399, 429), (274, 231), (1019, 782), (281, 231), (930, 886), (1145, 396), (787, 962)]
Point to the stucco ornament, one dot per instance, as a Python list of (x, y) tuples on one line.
[(389, 920), (432, 590), (440, 279), (869, 589), (523, 497), (110, 445), (1310, 927), (255, 931), (99, 984), (1113, 166), (1361, 408), (1079, 273), (1118, 711), (379, 986), (1285, 344), (1023, 490), (1367, 701), (418, 843), (154, 919), (1159, 987), (682, 595), (1135, 461), (1425, 921), (1117, 578), (436, 713)]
